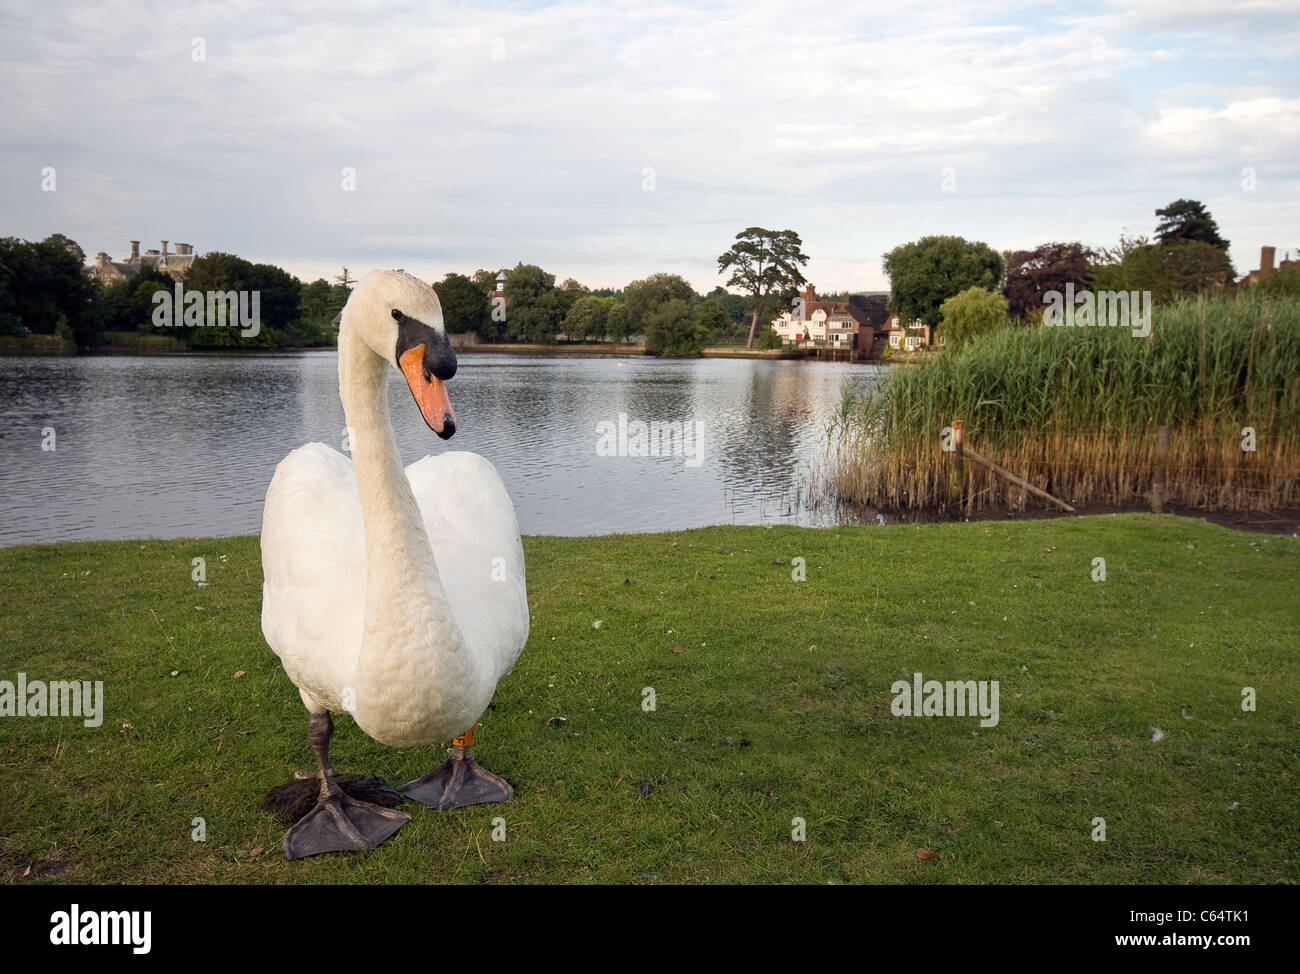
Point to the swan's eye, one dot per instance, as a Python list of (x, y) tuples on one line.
[(397, 315)]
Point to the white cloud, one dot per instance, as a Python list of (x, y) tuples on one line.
[(482, 137)]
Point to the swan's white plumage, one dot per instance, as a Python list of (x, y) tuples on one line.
[(314, 564), (466, 507), (434, 639), (314, 573)]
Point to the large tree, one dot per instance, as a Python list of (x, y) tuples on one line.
[(1188, 220), (570, 291), (321, 303), (534, 309), (733, 304), (279, 301), (765, 264), (671, 328), (644, 298), (43, 285), (127, 305), (68, 244), (618, 325), (1165, 269), (588, 318), (711, 320), (1048, 267), (975, 311), (280, 297), (464, 305), (926, 272), (218, 271)]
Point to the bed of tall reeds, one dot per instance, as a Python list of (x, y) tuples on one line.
[(1076, 412)]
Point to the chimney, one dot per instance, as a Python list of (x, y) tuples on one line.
[(135, 251), (1266, 255), (101, 260), (809, 294), (164, 250)]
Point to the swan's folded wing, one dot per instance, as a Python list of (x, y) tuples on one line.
[(475, 537), (314, 571)]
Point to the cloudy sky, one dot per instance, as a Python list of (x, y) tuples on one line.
[(611, 140)]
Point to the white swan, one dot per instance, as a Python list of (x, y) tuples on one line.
[(395, 595)]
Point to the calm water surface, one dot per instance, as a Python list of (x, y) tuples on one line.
[(182, 446)]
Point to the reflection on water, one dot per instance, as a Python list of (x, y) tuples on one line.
[(186, 445)]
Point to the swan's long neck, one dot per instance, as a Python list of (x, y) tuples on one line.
[(412, 650)]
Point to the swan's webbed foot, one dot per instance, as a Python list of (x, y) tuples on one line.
[(292, 800), (338, 822), (457, 782), (342, 824)]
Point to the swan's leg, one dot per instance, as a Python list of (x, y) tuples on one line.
[(337, 823), (458, 781)]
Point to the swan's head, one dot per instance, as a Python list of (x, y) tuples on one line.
[(398, 316)]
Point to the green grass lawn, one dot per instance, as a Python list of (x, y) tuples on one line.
[(777, 706)]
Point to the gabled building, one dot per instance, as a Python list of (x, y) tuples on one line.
[(871, 310), (175, 265), (838, 325), (908, 338)]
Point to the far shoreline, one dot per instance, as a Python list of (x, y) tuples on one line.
[(614, 350)]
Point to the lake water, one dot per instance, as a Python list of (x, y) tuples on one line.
[(178, 446)]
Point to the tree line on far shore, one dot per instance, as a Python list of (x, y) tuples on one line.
[(44, 290), (663, 308), (960, 286)]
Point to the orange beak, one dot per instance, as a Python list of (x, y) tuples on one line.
[(430, 393)]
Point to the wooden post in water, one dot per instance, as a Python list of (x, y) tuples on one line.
[(1158, 477), (957, 471)]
